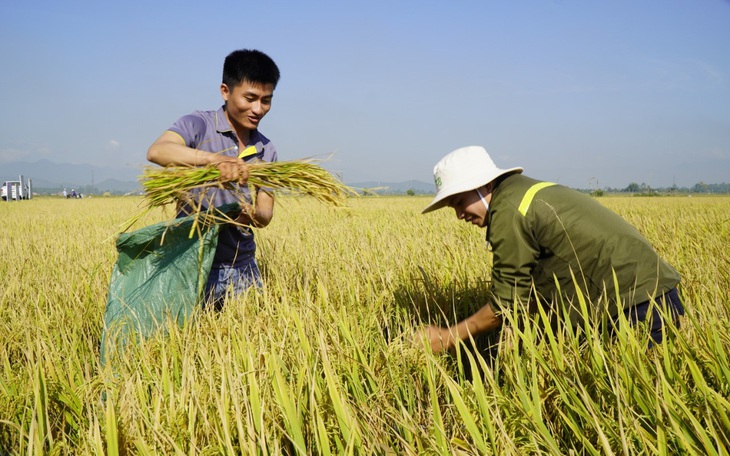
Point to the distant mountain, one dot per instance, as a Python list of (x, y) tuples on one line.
[(114, 185), (49, 176)]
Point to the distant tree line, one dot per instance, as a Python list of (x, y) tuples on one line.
[(699, 187), (83, 189)]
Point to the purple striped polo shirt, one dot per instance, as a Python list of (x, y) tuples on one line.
[(210, 131)]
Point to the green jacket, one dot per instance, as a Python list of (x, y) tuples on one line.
[(546, 235)]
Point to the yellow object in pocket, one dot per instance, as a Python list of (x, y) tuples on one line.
[(250, 150)]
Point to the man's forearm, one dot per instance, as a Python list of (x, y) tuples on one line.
[(170, 149), (258, 219), (483, 320), (178, 154)]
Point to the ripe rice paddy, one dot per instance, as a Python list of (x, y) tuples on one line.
[(322, 360)]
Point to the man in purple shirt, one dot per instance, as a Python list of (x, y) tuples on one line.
[(228, 138)]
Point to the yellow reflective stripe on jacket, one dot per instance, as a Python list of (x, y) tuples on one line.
[(530, 194)]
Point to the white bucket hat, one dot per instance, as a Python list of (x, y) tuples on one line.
[(462, 170)]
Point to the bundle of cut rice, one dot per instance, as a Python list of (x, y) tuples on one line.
[(167, 185), (172, 184)]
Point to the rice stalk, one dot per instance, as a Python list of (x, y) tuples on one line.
[(173, 184), (167, 185)]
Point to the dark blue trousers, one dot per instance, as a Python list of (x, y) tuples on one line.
[(646, 312)]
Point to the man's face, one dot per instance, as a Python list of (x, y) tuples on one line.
[(469, 207), (247, 103)]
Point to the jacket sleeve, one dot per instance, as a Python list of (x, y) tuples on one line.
[(516, 251)]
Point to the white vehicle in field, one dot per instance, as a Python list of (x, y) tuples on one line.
[(18, 190), (5, 192)]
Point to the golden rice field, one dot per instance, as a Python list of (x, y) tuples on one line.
[(321, 361)]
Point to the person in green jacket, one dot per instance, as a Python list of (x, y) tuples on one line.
[(549, 242)]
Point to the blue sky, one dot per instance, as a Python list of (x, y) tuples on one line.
[(585, 93)]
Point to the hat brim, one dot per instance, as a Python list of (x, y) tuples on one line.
[(441, 198)]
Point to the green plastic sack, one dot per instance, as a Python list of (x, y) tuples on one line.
[(159, 276)]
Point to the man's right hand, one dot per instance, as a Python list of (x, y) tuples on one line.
[(439, 339), (233, 169)]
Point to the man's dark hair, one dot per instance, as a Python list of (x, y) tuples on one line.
[(249, 65)]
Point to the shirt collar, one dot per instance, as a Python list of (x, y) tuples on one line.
[(221, 121)]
